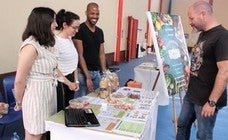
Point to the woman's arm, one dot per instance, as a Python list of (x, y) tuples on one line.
[(26, 59)]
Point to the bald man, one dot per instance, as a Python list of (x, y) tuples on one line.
[(206, 92)]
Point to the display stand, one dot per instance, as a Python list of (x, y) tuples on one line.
[(174, 114), (156, 81), (171, 54)]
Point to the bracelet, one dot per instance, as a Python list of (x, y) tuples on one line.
[(77, 82), (19, 104)]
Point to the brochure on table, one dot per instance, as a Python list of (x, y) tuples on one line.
[(171, 51), (129, 122)]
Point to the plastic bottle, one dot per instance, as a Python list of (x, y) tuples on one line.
[(104, 88), (15, 136)]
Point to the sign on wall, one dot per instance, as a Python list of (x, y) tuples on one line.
[(171, 51)]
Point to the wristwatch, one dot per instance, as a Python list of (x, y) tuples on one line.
[(211, 103)]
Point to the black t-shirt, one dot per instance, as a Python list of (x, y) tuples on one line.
[(91, 45), (211, 47)]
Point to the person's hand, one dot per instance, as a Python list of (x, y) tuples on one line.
[(77, 87), (72, 86), (89, 84), (18, 107), (207, 110)]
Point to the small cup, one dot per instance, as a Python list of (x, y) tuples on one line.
[(76, 103)]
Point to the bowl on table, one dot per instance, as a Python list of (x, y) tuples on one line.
[(77, 103)]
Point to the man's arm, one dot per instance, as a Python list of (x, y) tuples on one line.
[(102, 57), (219, 86), (82, 63), (79, 47), (220, 81)]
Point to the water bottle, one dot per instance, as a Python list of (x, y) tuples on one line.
[(15, 136)]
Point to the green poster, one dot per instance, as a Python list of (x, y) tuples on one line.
[(171, 51)]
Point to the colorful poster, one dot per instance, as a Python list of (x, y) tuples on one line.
[(171, 51)]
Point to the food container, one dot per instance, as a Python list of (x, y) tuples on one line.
[(104, 87), (77, 103), (118, 96)]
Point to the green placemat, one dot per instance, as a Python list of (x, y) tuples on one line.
[(59, 117)]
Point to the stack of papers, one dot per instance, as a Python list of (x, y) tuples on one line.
[(129, 122)]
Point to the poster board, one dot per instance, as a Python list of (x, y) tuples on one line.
[(170, 50)]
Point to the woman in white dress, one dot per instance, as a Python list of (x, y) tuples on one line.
[(36, 75)]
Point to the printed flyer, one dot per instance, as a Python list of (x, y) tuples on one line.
[(131, 121), (138, 115), (131, 128), (171, 50)]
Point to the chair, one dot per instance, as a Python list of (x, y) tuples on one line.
[(8, 85), (1, 126), (12, 116), (1, 98)]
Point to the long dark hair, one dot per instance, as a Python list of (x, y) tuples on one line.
[(65, 16), (39, 26)]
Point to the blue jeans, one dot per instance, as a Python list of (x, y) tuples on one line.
[(96, 78), (189, 113)]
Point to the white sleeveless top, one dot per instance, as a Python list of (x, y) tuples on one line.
[(40, 100)]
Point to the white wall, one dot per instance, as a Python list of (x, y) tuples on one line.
[(180, 7), (15, 14), (138, 11), (14, 17)]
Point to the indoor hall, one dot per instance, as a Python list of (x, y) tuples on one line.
[(115, 19)]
